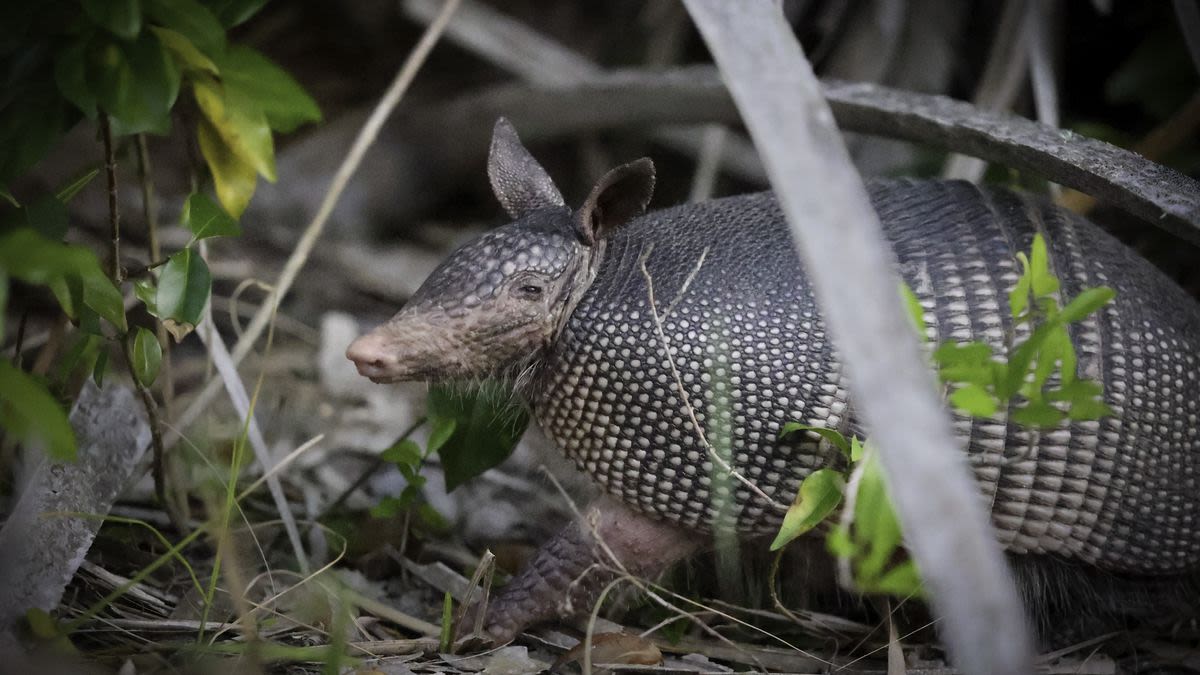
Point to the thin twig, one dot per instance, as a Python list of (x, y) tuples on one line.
[(114, 216), (686, 397), (150, 212), (20, 338), (156, 440), (366, 136)]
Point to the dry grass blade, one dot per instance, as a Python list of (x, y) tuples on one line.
[(227, 371), (836, 229)]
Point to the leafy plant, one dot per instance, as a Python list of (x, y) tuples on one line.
[(486, 427), (1038, 379), (123, 64), (1037, 385)]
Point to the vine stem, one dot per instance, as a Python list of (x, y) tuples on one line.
[(150, 211), (114, 216), (110, 171)]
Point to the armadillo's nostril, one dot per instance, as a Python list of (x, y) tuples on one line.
[(369, 353)]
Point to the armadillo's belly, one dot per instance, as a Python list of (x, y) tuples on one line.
[(676, 407)]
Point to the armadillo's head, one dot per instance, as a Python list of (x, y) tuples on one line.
[(495, 304)]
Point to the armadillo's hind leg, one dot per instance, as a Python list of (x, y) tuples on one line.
[(568, 573)]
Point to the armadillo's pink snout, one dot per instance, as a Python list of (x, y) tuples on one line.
[(373, 356)]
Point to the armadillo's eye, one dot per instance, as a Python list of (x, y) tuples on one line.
[(531, 291)]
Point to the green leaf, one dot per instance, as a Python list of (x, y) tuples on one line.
[(487, 427), (405, 452), (1020, 360), (34, 259), (233, 178), (83, 350), (101, 366), (250, 75), (72, 272), (442, 430), (974, 400), (965, 363), (239, 123), (205, 219), (101, 295), (1042, 281), (122, 18), (146, 292), (835, 437), (146, 356), (234, 12), (41, 624), (916, 313), (858, 449), (839, 542), (1018, 297), (818, 496), (191, 20), (30, 414), (1090, 409), (34, 120), (1076, 390), (136, 83), (68, 191), (71, 76), (875, 522), (1090, 300), (183, 288), (187, 57), (388, 507), (431, 519), (1038, 414), (903, 581)]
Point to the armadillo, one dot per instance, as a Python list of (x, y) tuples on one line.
[(635, 337)]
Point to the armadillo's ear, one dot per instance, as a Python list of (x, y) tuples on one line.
[(520, 183), (621, 195)]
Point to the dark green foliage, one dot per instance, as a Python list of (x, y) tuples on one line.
[(486, 428), (125, 62)]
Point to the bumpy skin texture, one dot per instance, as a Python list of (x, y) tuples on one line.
[(750, 348), (567, 574)]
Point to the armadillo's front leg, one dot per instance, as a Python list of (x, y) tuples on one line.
[(567, 574)]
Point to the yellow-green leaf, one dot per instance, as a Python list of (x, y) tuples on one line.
[(819, 494), (268, 87), (916, 313), (974, 400), (191, 20), (185, 53), (233, 179), (834, 436), (239, 122)]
